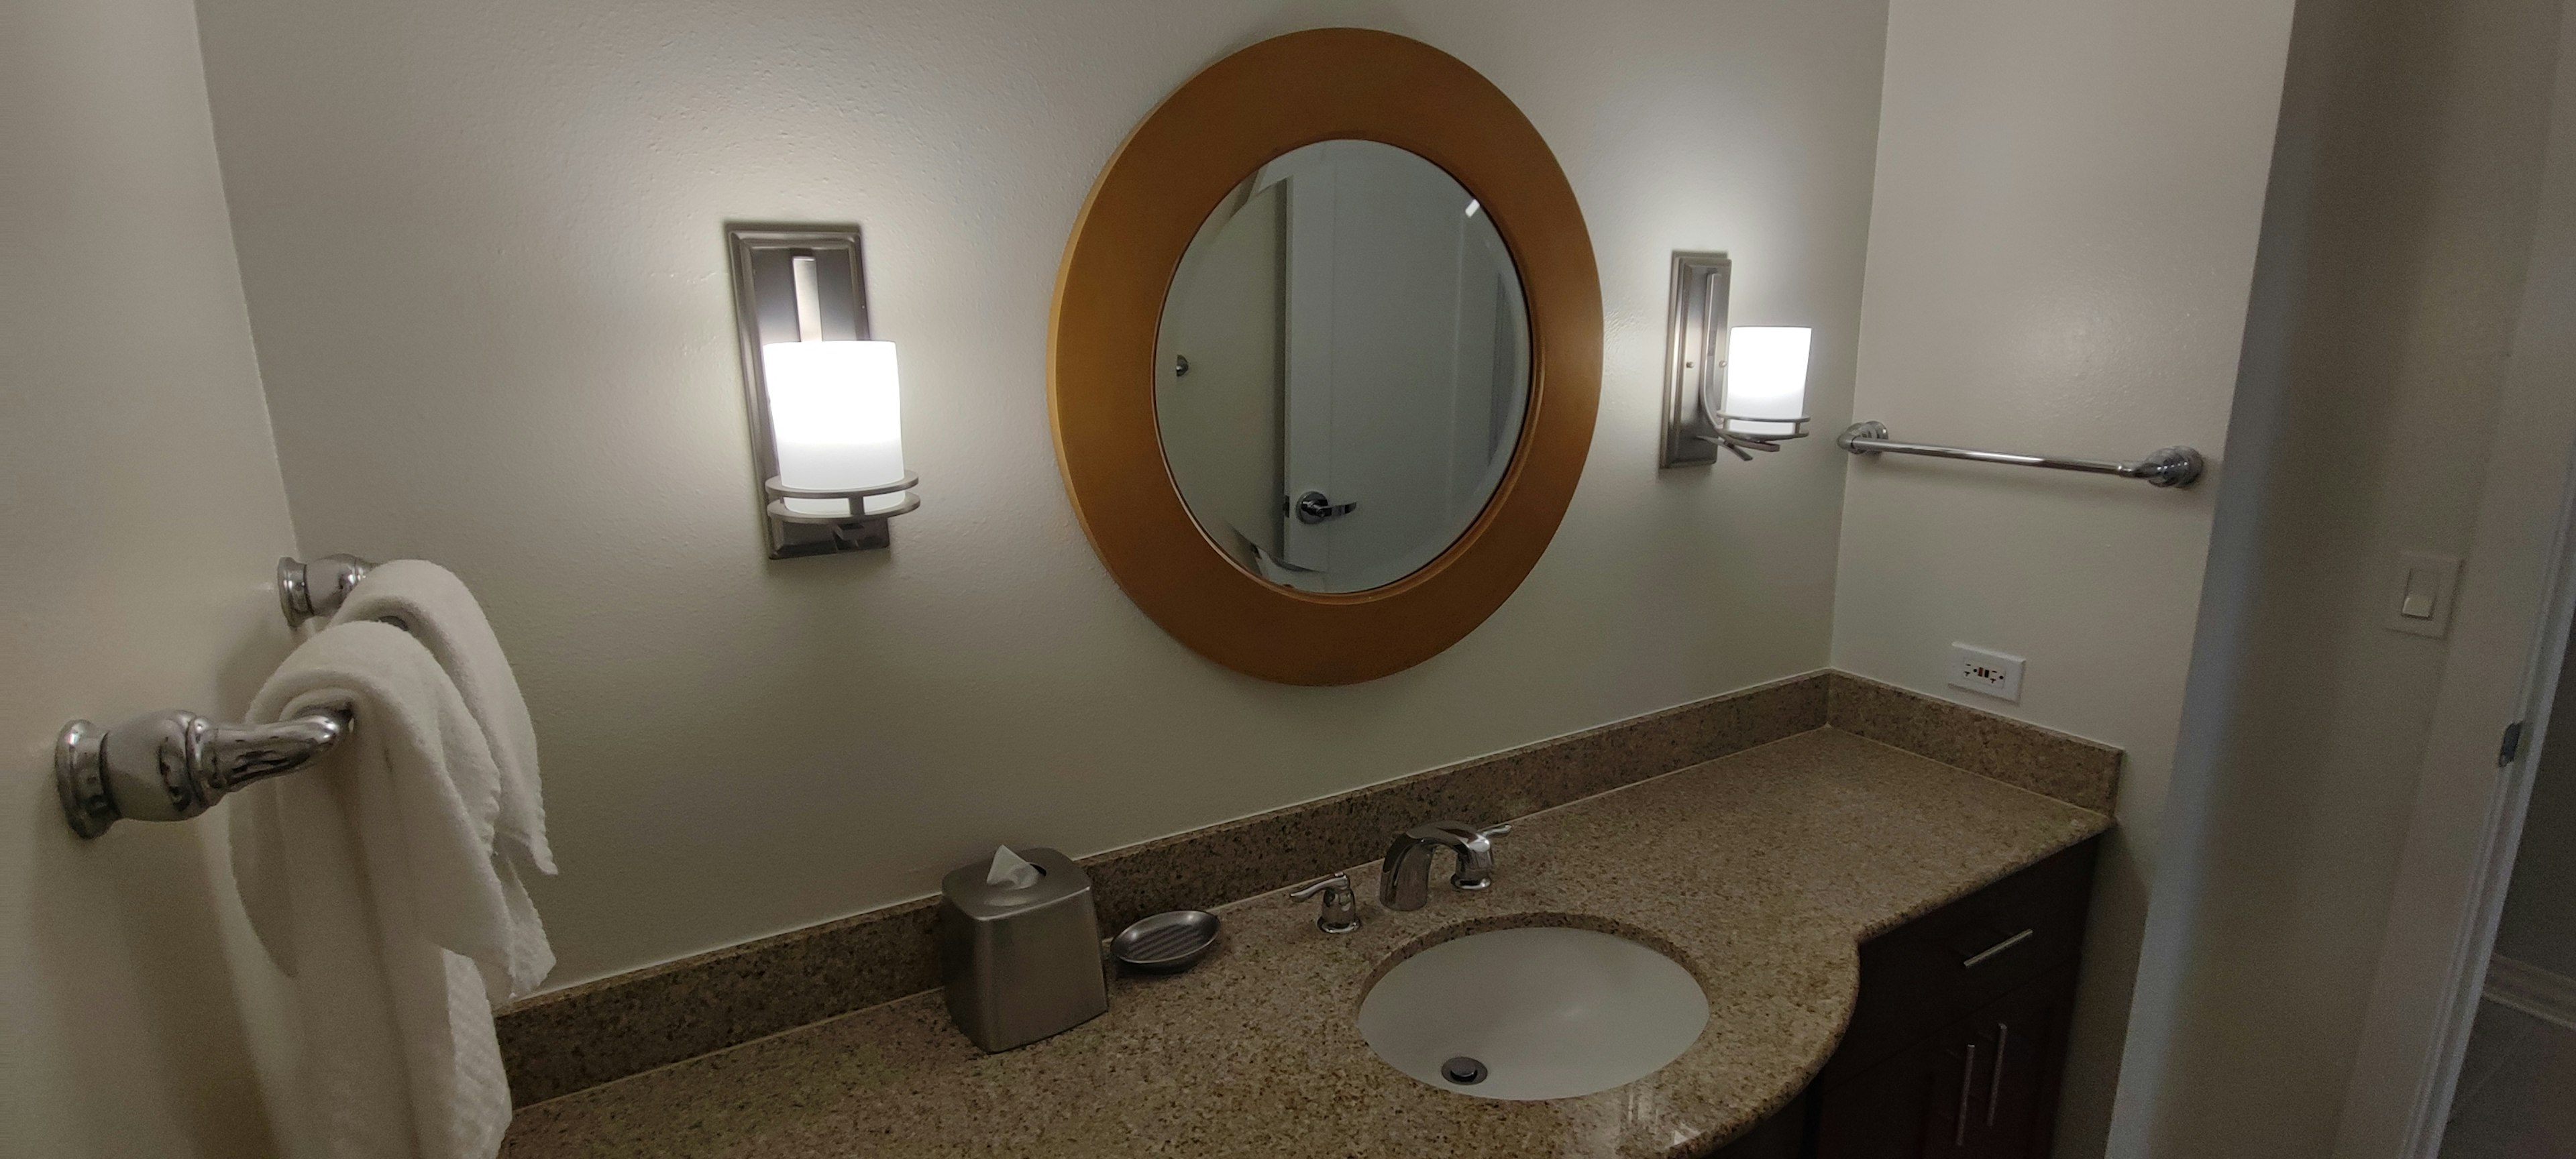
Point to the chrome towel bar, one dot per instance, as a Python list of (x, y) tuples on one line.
[(170, 766), (2170, 467)]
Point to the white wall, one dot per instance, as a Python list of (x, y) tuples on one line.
[(2068, 197), (2391, 273), (143, 513), (482, 246)]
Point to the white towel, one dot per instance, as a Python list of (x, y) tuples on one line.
[(369, 877), (431, 603)]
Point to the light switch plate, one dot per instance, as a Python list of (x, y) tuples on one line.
[(1982, 670), (2420, 593)]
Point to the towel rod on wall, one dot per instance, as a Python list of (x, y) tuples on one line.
[(170, 766), (2170, 467)]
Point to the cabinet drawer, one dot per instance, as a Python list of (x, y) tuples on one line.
[(1924, 974)]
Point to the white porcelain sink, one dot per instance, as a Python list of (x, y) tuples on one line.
[(1546, 1012)]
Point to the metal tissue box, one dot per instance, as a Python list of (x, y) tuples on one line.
[(1020, 964)]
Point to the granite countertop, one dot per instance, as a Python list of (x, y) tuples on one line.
[(1761, 872)]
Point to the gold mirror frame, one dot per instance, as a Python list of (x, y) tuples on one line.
[(1226, 122)]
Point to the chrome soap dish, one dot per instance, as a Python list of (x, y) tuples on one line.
[(1166, 943)]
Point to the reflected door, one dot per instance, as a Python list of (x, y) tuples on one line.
[(1342, 367), (1404, 360)]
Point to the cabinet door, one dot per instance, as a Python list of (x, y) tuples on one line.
[(1782, 1136), (1908, 1106), (1983, 1087), (2025, 1033)]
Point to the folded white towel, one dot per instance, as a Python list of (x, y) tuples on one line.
[(435, 607), (369, 877)]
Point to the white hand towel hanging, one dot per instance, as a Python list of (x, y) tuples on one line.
[(443, 615), (370, 878)]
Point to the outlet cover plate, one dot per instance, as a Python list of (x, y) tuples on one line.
[(1985, 671)]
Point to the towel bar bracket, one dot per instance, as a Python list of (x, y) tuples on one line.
[(307, 591), (170, 766)]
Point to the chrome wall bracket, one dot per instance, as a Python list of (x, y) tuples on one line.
[(2169, 467), (311, 591), (170, 766), (1740, 443)]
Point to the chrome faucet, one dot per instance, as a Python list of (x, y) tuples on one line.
[(1341, 915), (1404, 881)]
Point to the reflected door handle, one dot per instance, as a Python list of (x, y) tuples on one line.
[(1313, 507)]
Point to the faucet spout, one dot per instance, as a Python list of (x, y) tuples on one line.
[(1404, 880)]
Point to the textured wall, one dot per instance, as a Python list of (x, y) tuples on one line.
[(142, 513), (2391, 272), (2068, 197), (481, 244)]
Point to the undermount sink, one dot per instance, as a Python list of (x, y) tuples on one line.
[(1538, 1012)]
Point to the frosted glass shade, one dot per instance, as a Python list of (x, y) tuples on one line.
[(1766, 377), (836, 409)]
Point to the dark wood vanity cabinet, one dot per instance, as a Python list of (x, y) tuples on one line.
[(1984, 1087), (1959, 1036)]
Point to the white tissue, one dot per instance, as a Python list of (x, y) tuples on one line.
[(1010, 870)]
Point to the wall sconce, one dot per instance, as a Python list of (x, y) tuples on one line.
[(826, 403), (1743, 390)]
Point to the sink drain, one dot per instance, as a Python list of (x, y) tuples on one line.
[(1462, 1070)]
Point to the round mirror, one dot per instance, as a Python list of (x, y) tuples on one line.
[(1325, 356), (1342, 367)]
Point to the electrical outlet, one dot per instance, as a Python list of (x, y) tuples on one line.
[(1992, 673)]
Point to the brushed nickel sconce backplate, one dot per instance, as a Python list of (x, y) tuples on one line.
[(830, 306)]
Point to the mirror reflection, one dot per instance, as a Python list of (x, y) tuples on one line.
[(1342, 367)]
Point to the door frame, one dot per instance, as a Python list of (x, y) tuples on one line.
[(2517, 598)]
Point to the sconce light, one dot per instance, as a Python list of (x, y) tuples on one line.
[(826, 404), (1743, 390)]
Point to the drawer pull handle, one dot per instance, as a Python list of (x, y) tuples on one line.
[(1995, 1087), (1990, 951), (1967, 1084)]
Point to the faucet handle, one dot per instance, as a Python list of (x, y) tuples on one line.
[(1490, 833), (1341, 911)]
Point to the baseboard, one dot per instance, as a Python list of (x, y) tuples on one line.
[(2542, 994)]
